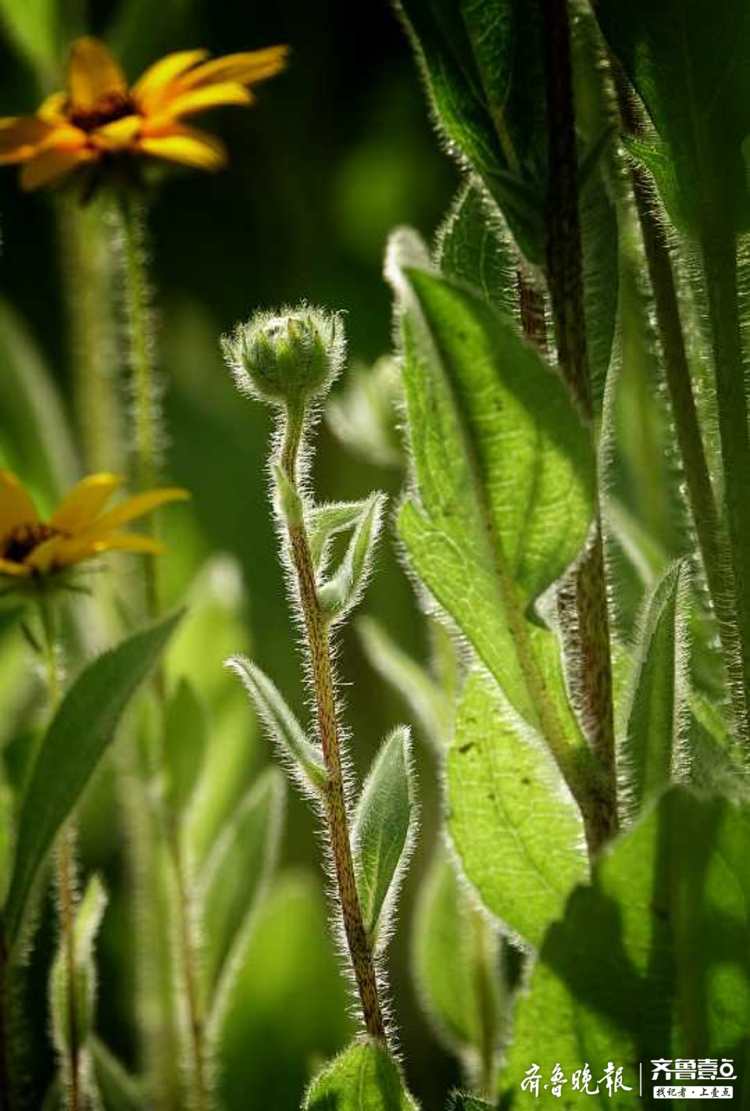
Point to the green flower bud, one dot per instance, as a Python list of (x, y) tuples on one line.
[(286, 356)]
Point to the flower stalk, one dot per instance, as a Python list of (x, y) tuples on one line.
[(321, 669)]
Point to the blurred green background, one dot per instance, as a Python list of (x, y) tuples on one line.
[(338, 150)]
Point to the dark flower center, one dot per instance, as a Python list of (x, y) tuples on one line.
[(106, 110), (19, 543)]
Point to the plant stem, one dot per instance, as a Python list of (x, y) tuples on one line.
[(720, 267), (336, 813), (87, 277), (144, 389), (711, 540), (565, 281), (65, 877)]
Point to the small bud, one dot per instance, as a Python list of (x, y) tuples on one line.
[(286, 356)]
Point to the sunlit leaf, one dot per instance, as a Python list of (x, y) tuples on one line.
[(364, 1078)]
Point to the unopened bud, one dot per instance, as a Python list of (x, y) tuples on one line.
[(286, 356)]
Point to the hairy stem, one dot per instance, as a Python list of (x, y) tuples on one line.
[(65, 878), (711, 540), (336, 812), (146, 432), (87, 275), (565, 280), (720, 266)]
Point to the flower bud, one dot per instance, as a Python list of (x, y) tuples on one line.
[(286, 356)]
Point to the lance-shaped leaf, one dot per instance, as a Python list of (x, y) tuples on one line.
[(235, 874), (341, 592), (475, 247), (75, 742), (504, 478), (364, 1078), (657, 715), (653, 953), (326, 521), (185, 740), (515, 828), (303, 759), (363, 415), (85, 928), (456, 963), (383, 833), (120, 1091)]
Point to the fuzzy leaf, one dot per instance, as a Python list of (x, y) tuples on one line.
[(237, 871), (653, 954), (518, 834), (79, 734), (504, 477), (364, 1078), (87, 922), (657, 709), (326, 521), (383, 832), (304, 758), (462, 1102), (341, 592), (482, 65), (185, 741), (363, 415), (452, 943), (688, 62), (475, 248), (120, 1091)]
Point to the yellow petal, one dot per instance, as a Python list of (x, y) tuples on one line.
[(155, 81), (117, 135), (84, 502), (188, 146), (197, 100), (78, 550), (17, 570), (16, 507), (248, 68), (50, 165), (137, 506), (52, 108), (44, 555), (19, 137), (93, 75)]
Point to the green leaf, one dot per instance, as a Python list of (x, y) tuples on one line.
[(431, 705), (80, 732), (474, 247), (120, 1091), (532, 471), (481, 61), (504, 477), (327, 520), (383, 833), (455, 961), (364, 1078), (343, 590), (461, 1102), (657, 709), (651, 958), (235, 874), (688, 62), (303, 759), (85, 928), (35, 440), (185, 741), (513, 824)]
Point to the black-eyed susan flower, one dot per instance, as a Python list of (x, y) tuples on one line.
[(99, 116), (81, 527)]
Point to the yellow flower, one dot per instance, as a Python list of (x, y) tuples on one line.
[(79, 529), (99, 115)]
